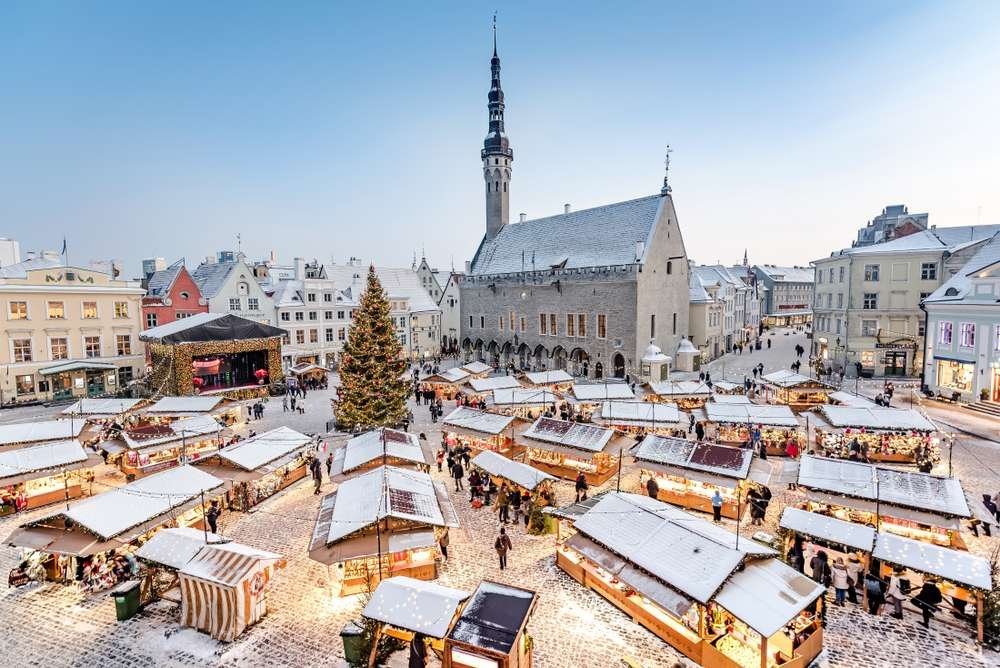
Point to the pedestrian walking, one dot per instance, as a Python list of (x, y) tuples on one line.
[(855, 571), (212, 515), (581, 487), (440, 459), (502, 545), (317, 473), (329, 464), (503, 499), (874, 592), (820, 567), (418, 652), (716, 507), (443, 545), (284, 404), (928, 599), (515, 503), (840, 578), (699, 431), (652, 488), (896, 594), (457, 472)]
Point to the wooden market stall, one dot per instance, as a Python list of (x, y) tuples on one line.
[(728, 388), (722, 601), (734, 422), (565, 449), (483, 432), (556, 380), (15, 436), (380, 524), (841, 398), (587, 398), (685, 393), (643, 417), (481, 389), (896, 435), (916, 505), (379, 447), (491, 630), (258, 468), (687, 474), (447, 384), (91, 541), (157, 444), (226, 411), (524, 402), (503, 470), (308, 371), (39, 475), (477, 369), (101, 415), (737, 399), (795, 390)]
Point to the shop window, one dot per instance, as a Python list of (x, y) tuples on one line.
[(123, 344), (955, 375), (59, 348), (871, 272), (17, 311), (56, 310), (25, 384), (944, 333), (967, 335), (89, 310), (92, 346), (22, 350), (121, 310), (868, 358)]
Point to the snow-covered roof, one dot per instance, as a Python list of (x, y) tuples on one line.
[(952, 565), (494, 383), (788, 378), (725, 385), (476, 367), (787, 274), (415, 605), (518, 473), (398, 284), (178, 430), (938, 239), (41, 458), (602, 391), (586, 437), (598, 237), (196, 320), (265, 448), (770, 415), (455, 375), (35, 432), (523, 396), (826, 528), (876, 417), (101, 406), (493, 617), (182, 405), (675, 388), (740, 399), (160, 282), (681, 453), (768, 594), (115, 512), (174, 547), (226, 564), (959, 288), (909, 489), (690, 554), (477, 420), (387, 491), (368, 447), (640, 413), (548, 377), (850, 399)]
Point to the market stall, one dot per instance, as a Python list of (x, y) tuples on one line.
[(258, 468), (556, 380), (103, 408), (587, 398), (227, 412), (685, 393), (447, 384), (732, 399), (841, 398), (491, 629), (42, 474), (792, 389), (635, 417), (916, 505), (483, 432), (481, 389), (380, 524), (524, 402), (896, 435), (477, 369), (380, 447), (733, 424), (503, 470), (720, 600), (728, 388), (565, 449), (93, 540), (687, 474), (156, 445), (307, 371), (14, 436)]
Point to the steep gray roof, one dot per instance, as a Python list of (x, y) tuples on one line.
[(958, 288), (605, 235), (210, 277), (160, 281), (788, 274), (938, 238)]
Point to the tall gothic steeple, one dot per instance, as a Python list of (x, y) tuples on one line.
[(497, 155)]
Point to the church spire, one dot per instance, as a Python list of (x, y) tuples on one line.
[(496, 154)]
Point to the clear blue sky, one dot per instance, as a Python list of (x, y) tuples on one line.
[(319, 129)]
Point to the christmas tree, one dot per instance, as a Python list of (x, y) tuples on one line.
[(372, 392)]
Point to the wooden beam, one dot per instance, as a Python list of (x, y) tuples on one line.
[(979, 617), (763, 652), (864, 583), (374, 651)]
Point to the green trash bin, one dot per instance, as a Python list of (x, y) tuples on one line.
[(126, 597), (354, 644)]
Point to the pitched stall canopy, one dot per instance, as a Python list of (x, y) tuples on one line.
[(520, 474), (841, 398), (876, 433), (636, 415), (795, 390), (203, 327), (706, 462), (742, 414), (740, 399), (477, 368), (98, 408), (875, 417), (162, 437), (40, 461), (39, 432), (487, 385), (261, 454), (686, 393), (567, 449), (549, 378), (184, 405), (491, 625), (828, 529), (415, 605), (600, 392), (173, 548), (397, 448)]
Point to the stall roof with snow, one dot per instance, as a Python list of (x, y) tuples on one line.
[(38, 432), (680, 388), (785, 378), (602, 392), (451, 376), (952, 565), (39, 461), (829, 529), (677, 456), (480, 385), (270, 449), (842, 398), (476, 368), (368, 447), (876, 418), (586, 437), (102, 407), (184, 405), (176, 546), (554, 377), (640, 413), (767, 415), (155, 437), (725, 385), (494, 617), (739, 399), (476, 420), (522, 396), (520, 474), (415, 605)]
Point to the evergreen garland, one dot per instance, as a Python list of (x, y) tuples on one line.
[(372, 392)]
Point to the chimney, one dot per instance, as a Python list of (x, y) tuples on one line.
[(468, 264), (524, 217), (566, 208), (300, 268), (640, 246), (274, 257)]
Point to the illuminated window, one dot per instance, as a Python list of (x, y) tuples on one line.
[(121, 310), (17, 311), (59, 348), (123, 344), (22, 350), (92, 346), (56, 310), (89, 310)]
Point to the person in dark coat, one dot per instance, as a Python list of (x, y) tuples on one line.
[(502, 545), (418, 652), (699, 431), (457, 472), (212, 515), (316, 469), (652, 488), (928, 600), (581, 487), (875, 593)]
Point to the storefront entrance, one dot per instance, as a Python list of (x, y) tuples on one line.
[(895, 363), (95, 383), (995, 386)]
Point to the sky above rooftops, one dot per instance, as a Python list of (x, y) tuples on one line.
[(344, 126)]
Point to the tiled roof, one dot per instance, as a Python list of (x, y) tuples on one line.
[(161, 281), (958, 288), (398, 284), (210, 277), (602, 236), (788, 274)]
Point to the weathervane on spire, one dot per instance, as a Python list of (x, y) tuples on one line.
[(494, 34), (665, 190)]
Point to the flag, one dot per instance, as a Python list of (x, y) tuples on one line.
[(63, 251)]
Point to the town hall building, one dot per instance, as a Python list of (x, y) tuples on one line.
[(586, 291)]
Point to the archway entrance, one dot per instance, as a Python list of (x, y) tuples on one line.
[(598, 370), (619, 364)]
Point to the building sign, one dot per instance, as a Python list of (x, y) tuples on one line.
[(69, 276), (790, 307), (897, 345)]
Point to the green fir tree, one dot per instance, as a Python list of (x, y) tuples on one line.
[(372, 392)]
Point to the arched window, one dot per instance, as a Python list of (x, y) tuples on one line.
[(670, 267)]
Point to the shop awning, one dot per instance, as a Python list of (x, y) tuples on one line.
[(604, 558), (890, 510), (768, 594), (493, 617), (37, 432), (415, 605), (952, 565), (478, 422), (72, 542), (520, 474), (829, 529), (672, 601), (368, 546), (480, 385), (75, 365)]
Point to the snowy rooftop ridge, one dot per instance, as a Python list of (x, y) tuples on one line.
[(35, 432)]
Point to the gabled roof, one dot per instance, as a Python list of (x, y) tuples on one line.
[(415, 605), (680, 453), (959, 288), (936, 239), (368, 447), (464, 417), (36, 432), (477, 367), (521, 474), (397, 283), (210, 327), (548, 377), (263, 449), (586, 437), (787, 274), (161, 281), (875, 417), (493, 383), (601, 236), (95, 407)]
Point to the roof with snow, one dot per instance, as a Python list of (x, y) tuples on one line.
[(679, 456), (787, 274), (368, 447), (415, 605), (769, 415), (523, 396), (588, 437), (494, 383), (680, 388), (397, 283), (494, 616), (640, 413), (936, 239), (99, 407), (830, 529), (548, 377), (767, 594), (602, 391), (210, 327), (477, 367), (788, 378), (41, 458), (35, 432), (263, 449), (476, 420), (731, 399), (850, 399), (161, 281), (227, 564), (182, 405), (163, 436), (953, 565), (211, 276), (520, 474), (875, 417), (598, 237), (175, 546), (960, 289)]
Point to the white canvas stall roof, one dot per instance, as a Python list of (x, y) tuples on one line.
[(476, 367), (688, 553), (850, 399), (787, 378), (725, 385), (586, 437), (494, 383), (602, 391), (681, 388), (922, 492), (769, 415), (40, 458), (265, 448), (180, 430), (115, 512), (522, 396), (387, 491), (739, 399), (952, 565), (640, 413), (226, 563), (721, 460), (368, 447), (35, 432), (477, 420), (450, 376), (415, 605), (102, 406), (877, 417), (518, 473), (831, 529), (175, 547), (180, 405), (548, 377), (768, 594)]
